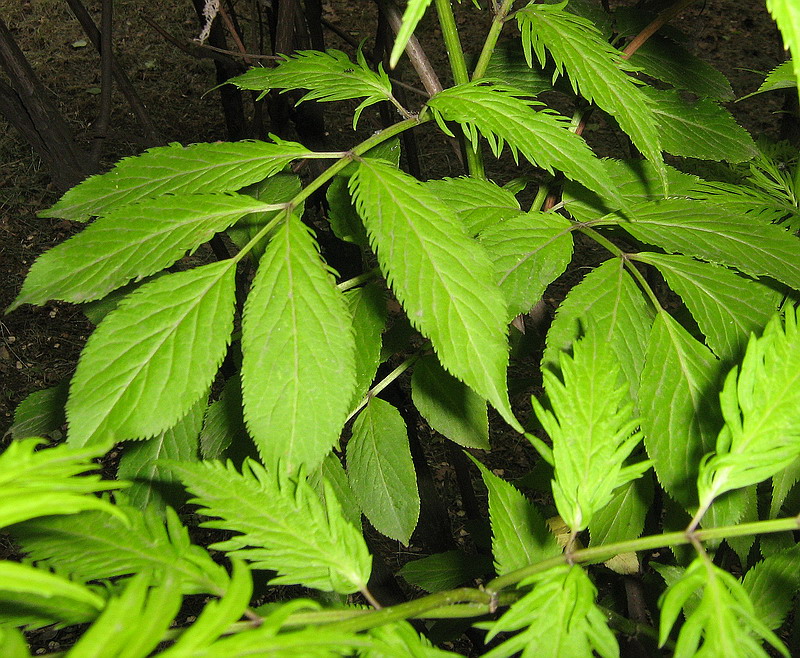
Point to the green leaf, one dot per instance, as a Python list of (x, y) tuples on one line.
[(781, 77), (529, 252), (153, 484), (173, 330), (283, 523), (35, 483), (449, 407), (332, 472), (558, 618), (508, 65), (329, 76), (381, 471), (726, 306), (478, 203), (130, 243), (224, 427), (414, 11), (771, 585), (40, 413), (542, 136), (13, 644), (608, 303), (401, 640), (680, 417), (782, 483), (176, 169), (623, 518), (520, 536), (761, 406), (94, 546), (595, 68), (592, 427), (298, 370), (443, 571), (345, 222), (440, 276), (699, 129), (787, 15), (367, 306)]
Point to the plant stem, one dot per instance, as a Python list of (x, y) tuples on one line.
[(383, 383), (491, 39), (358, 280)]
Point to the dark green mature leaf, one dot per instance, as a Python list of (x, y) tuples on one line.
[(543, 137), (449, 407), (224, 425), (726, 306), (381, 471), (520, 536), (440, 276), (677, 401), (771, 585), (283, 523), (95, 546), (607, 302), (478, 203), (345, 222), (176, 169), (699, 129), (707, 231), (787, 15), (153, 357), (367, 306), (595, 68), (623, 517), (781, 77), (130, 243), (529, 252), (443, 571), (508, 65), (332, 472), (40, 413), (298, 370)]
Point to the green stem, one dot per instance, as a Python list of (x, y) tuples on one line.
[(383, 383), (358, 280), (491, 39)]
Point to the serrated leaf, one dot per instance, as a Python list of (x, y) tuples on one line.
[(595, 68), (449, 407), (507, 64), (607, 303), (328, 76), (283, 523), (441, 276), (401, 640), (176, 169), (529, 252), (782, 483), (367, 306), (40, 413), (593, 429), (478, 203), (344, 220), (699, 129), (520, 536), (623, 517), (223, 427), (332, 472), (761, 406), (94, 546), (298, 369), (542, 136), (381, 471), (781, 77), (726, 306), (153, 357), (680, 416), (787, 15), (412, 15), (443, 571), (130, 243), (771, 585), (153, 485)]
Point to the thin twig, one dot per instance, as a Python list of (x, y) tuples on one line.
[(106, 80)]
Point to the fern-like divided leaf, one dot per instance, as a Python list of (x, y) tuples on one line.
[(596, 71), (543, 137), (329, 76), (176, 169), (761, 406), (284, 525), (44, 482), (592, 428)]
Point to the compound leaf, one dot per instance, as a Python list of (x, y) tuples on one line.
[(478, 203)]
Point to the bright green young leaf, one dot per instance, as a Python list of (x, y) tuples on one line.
[(699, 129), (40, 413), (520, 536), (606, 303), (542, 136), (130, 243), (223, 428), (440, 276), (401, 640), (153, 357), (13, 643), (592, 427), (771, 585), (529, 251), (36, 483), (284, 525), (724, 620), (332, 472), (781, 77), (595, 69), (152, 484), (176, 169), (415, 10), (782, 483), (328, 76), (787, 15), (726, 306), (761, 406), (449, 407), (381, 471), (623, 518), (367, 306), (680, 417), (557, 619), (298, 370), (443, 571), (478, 203)]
